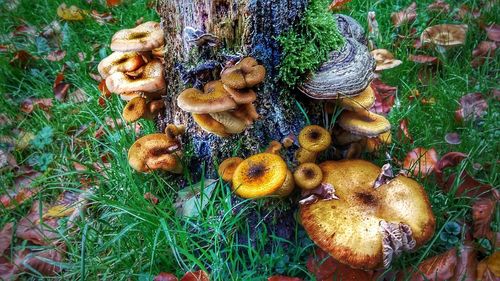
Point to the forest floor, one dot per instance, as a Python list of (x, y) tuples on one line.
[(58, 135)]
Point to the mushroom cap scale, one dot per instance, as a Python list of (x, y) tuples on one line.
[(150, 80), (314, 138), (154, 151), (364, 123), (119, 62), (259, 175), (213, 99), (445, 35), (349, 228), (144, 37), (363, 101), (347, 72)]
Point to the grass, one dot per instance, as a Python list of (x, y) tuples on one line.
[(122, 236)]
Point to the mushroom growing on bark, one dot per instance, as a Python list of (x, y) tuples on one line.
[(228, 166), (120, 62), (313, 139), (144, 37), (155, 152), (150, 79), (350, 28), (247, 73), (368, 226)]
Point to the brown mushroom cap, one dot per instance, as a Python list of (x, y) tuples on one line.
[(364, 123), (259, 175), (343, 137), (119, 62), (308, 176), (152, 152), (363, 101), (274, 147), (144, 37), (445, 35), (209, 124), (150, 80), (227, 168), (349, 228), (242, 96), (135, 109), (314, 138), (245, 74), (172, 130), (214, 99), (384, 59)]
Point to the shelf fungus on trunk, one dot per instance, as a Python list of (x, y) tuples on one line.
[(350, 28), (225, 107), (366, 227)]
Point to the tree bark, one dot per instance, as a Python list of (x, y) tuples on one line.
[(244, 27)]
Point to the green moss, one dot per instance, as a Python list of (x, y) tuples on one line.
[(308, 44)]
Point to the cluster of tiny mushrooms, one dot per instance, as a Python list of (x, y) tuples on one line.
[(362, 215)]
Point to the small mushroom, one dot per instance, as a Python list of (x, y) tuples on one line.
[(445, 35), (227, 168), (308, 176), (363, 101), (245, 74), (274, 147), (374, 144), (261, 175), (214, 99), (120, 62), (135, 109), (144, 37), (312, 139), (172, 131), (350, 28), (364, 123), (153, 108), (347, 72), (384, 59), (246, 112), (150, 80), (349, 228), (155, 152)]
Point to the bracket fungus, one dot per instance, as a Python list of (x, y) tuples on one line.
[(262, 174), (347, 72), (367, 227), (445, 35), (385, 59), (313, 139), (350, 28), (155, 152), (144, 37)]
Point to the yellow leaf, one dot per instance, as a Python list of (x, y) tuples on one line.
[(59, 211), (70, 13)]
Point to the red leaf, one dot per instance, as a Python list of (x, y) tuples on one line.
[(439, 6), (403, 130), (421, 161), (283, 278), (28, 105), (482, 214), (102, 18), (21, 59), (5, 237), (24, 29), (103, 89), (7, 270), (325, 268), (60, 88), (22, 190), (56, 55), (35, 260), (484, 50), (199, 275), (472, 106), (424, 59), (384, 96), (405, 16), (437, 268), (468, 186), (338, 4), (112, 3), (450, 159), (466, 263), (493, 32), (164, 276), (30, 228)]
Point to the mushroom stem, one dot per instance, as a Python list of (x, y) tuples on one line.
[(305, 156), (274, 147), (287, 187)]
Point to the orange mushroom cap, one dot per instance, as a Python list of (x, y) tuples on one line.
[(242, 96), (245, 74), (308, 176), (227, 168), (363, 101), (150, 80), (210, 125), (314, 138), (144, 37), (153, 152), (119, 62), (364, 123), (213, 99), (135, 109)]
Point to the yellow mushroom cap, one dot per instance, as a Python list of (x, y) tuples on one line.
[(152, 152), (308, 176), (259, 175), (349, 228), (445, 35), (144, 37), (384, 59), (119, 62), (150, 79), (363, 101), (364, 123), (209, 124), (314, 138), (245, 74), (227, 168), (135, 109), (213, 99), (374, 144)]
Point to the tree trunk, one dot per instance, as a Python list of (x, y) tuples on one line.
[(244, 27)]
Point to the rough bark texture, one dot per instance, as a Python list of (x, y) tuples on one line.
[(244, 27)]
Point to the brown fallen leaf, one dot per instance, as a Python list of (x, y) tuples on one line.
[(437, 268), (102, 18), (60, 87), (56, 55), (283, 278), (6, 237), (421, 161), (40, 232), (24, 29), (103, 89), (199, 275), (466, 263), (489, 268), (72, 13), (164, 276), (78, 96), (36, 260), (22, 190), (151, 198), (408, 15), (424, 59), (493, 32), (483, 51), (338, 4), (384, 96), (439, 6), (8, 270), (482, 214), (29, 104), (22, 59), (403, 130), (7, 161), (325, 268), (472, 106), (464, 11)]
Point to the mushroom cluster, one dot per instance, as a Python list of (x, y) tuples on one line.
[(372, 218), (134, 70), (225, 106), (260, 175)]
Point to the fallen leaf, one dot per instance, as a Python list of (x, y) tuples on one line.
[(7, 161), (421, 161), (5, 237), (23, 189), (103, 89), (72, 13), (102, 18), (164, 276), (56, 55), (151, 198), (40, 232), (482, 214), (424, 59), (466, 263), (112, 3), (29, 104), (405, 16), (8, 271), (37, 260), (437, 268), (472, 106), (60, 88), (78, 96), (489, 268), (193, 199), (24, 29), (66, 204), (199, 275), (338, 4), (464, 12), (384, 96), (439, 6), (283, 278), (373, 30), (52, 30), (483, 51), (325, 268), (450, 159), (493, 32), (21, 59)]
